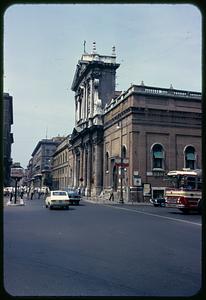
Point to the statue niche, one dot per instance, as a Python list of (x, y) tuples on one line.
[(97, 102)]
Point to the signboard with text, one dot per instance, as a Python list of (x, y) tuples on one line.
[(147, 189), (17, 172)]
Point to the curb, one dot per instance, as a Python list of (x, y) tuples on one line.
[(102, 201)]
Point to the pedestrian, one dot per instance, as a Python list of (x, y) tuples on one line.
[(111, 197), (11, 195), (47, 192), (22, 194), (28, 192), (79, 191), (32, 194), (7, 192)]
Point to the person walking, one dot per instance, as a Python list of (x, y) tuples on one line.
[(22, 194), (111, 197), (11, 195), (32, 194)]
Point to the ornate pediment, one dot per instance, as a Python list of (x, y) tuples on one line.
[(74, 134), (80, 69)]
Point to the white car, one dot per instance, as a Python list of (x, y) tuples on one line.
[(57, 199)]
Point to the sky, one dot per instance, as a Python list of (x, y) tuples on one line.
[(158, 44)]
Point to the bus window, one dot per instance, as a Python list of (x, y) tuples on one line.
[(191, 183), (199, 183)]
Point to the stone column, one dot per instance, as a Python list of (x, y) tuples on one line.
[(98, 168), (78, 169), (85, 166), (86, 102), (81, 167), (91, 99), (76, 110), (89, 170), (80, 109), (74, 168)]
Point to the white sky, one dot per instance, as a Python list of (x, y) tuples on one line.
[(159, 44)]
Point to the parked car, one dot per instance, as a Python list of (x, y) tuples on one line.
[(57, 199), (74, 195), (158, 202)]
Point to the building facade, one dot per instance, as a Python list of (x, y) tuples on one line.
[(40, 165), (94, 85), (7, 136), (126, 142), (62, 166), (150, 131)]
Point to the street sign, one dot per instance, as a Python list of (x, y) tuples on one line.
[(123, 165), (17, 172), (146, 189)]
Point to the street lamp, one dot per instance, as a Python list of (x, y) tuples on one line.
[(121, 200)]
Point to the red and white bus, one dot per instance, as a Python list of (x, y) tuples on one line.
[(184, 190)]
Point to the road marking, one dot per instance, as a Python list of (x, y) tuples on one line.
[(154, 215)]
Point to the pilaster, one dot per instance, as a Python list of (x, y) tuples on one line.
[(98, 168), (89, 170)]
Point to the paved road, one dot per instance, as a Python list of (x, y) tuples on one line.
[(101, 250)]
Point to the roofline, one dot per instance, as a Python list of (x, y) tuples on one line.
[(153, 91)]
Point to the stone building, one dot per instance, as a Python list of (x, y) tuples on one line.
[(151, 131), (7, 135), (40, 165), (127, 141), (62, 166), (94, 85)]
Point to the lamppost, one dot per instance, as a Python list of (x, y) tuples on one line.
[(121, 200)]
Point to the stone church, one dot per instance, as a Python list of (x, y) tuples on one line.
[(127, 141)]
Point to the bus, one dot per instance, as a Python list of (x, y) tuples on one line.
[(184, 190)]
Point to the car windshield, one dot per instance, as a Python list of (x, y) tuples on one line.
[(59, 193)]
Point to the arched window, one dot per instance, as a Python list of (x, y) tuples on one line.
[(157, 157), (190, 157), (107, 162)]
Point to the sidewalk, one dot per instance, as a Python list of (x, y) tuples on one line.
[(18, 200), (100, 200)]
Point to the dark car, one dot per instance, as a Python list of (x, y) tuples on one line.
[(158, 202), (74, 195)]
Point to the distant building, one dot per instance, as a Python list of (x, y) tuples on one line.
[(40, 166), (7, 135), (62, 166)]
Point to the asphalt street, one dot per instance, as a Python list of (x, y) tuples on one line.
[(101, 250)]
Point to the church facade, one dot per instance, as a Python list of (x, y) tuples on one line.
[(127, 141)]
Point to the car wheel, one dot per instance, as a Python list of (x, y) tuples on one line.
[(185, 210), (46, 205), (50, 206)]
